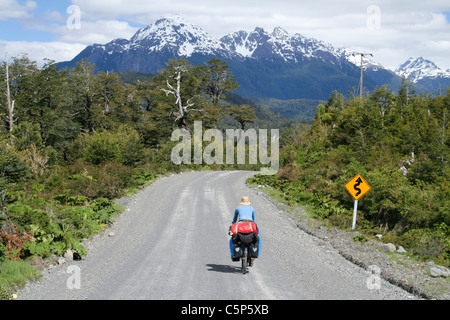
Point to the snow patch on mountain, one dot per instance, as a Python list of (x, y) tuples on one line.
[(175, 34), (260, 44), (420, 68)]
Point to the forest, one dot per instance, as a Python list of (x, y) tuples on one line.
[(73, 141)]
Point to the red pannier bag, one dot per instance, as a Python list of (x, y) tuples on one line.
[(243, 227)]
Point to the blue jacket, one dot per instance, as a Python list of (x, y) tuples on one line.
[(244, 213)]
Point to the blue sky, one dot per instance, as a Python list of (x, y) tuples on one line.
[(21, 28), (392, 30), (447, 13)]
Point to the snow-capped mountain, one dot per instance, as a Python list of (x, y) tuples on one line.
[(271, 64), (279, 45), (177, 36), (417, 69)]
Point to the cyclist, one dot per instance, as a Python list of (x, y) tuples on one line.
[(244, 212)]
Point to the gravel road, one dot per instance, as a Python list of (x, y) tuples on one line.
[(171, 243)]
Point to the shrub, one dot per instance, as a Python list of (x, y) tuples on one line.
[(112, 179), (24, 215), (103, 210), (360, 238), (75, 222), (142, 177), (13, 168), (69, 200), (102, 147), (13, 240), (429, 243), (54, 239), (123, 146), (86, 182)]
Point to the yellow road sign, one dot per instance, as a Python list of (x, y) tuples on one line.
[(357, 187)]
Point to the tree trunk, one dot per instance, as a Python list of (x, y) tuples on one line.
[(176, 92), (8, 98)]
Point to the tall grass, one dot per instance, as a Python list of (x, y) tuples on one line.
[(15, 274)]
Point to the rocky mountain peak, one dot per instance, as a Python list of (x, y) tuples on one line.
[(419, 68), (175, 34), (280, 33)]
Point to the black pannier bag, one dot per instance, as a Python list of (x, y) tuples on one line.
[(255, 248), (237, 242), (247, 237), (236, 249)]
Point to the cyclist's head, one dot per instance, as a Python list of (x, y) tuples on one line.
[(245, 201)]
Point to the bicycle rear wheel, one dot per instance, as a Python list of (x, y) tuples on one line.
[(244, 260)]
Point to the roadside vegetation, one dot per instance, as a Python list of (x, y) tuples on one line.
[(399, 142)]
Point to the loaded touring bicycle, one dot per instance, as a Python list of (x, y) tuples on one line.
[(245, 243)]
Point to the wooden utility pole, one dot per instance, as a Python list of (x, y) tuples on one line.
[(361, 82)]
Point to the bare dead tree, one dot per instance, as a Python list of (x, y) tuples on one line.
[(10, 103), (182, 110)]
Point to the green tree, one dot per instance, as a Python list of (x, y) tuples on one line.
[(404, 96), (20, 82), (217, 79), (242, 114), (82, 84), (25, 134), (47, 99), (109, 104), (13, 168)]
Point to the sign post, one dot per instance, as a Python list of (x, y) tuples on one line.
[(357, 187), (355, 209)]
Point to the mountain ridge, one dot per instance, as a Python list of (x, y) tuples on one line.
[(271, 64)]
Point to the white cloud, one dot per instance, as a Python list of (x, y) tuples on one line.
[(12, 9), (38, 51), (101, 31)]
